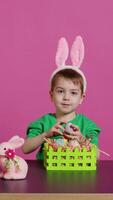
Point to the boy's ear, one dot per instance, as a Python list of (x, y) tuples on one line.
[(82, 98), (51, 95), (84, 95)]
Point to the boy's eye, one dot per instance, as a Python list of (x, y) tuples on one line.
[(60, 91), (74, 93)]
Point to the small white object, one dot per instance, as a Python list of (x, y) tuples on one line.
[(68, 129), (74, 143)]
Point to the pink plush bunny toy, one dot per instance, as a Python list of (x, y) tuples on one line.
[(11, 165)]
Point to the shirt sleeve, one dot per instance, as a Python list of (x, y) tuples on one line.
[(92, 131), (94, 137), (34, 129)]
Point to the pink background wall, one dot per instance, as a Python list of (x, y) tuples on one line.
[(29, 31)]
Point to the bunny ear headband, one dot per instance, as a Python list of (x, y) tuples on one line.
[(77, 56)]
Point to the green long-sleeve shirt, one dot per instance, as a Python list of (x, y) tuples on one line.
[(87, 127)]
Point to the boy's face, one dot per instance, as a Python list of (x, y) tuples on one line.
[(66, 95)]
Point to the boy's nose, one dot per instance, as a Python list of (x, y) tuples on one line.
[(66, 96)]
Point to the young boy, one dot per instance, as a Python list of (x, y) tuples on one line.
[(67, 91)]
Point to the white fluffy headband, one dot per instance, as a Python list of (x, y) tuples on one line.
[(76, 54)]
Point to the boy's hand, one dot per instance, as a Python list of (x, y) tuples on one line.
[(74, 134), (55, 130)]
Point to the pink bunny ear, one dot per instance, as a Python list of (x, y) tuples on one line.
[(62, 52), (16, 142), (77, 51)]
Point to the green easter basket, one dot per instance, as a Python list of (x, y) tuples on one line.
[(69, 160)]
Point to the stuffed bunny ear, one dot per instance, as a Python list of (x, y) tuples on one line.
[(77, 52), (16, 141), (13, 138), (62, 52)]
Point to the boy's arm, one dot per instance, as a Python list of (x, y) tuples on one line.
[(33, 143)]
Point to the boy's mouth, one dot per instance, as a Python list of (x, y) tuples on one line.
[(65, 104)]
